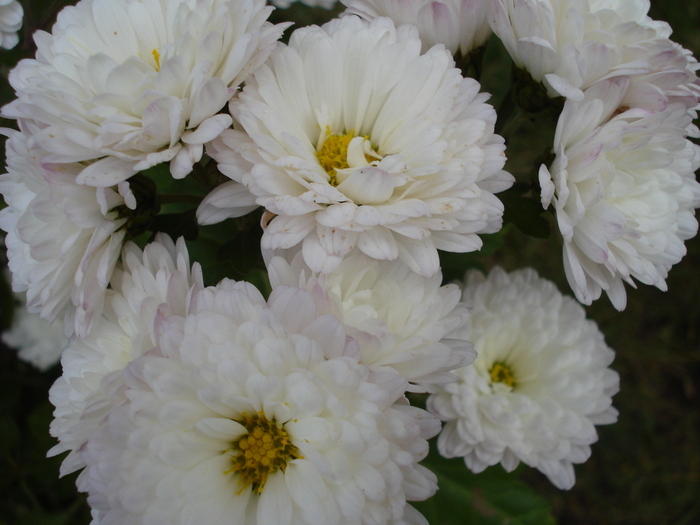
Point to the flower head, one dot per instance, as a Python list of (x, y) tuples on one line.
[(36, 341), (156, 280), (460, 25), (252, 412), (539, 385), (415, 317), (624, 190), (63, 239), (132, 84), (568, 45), (11, 15), (353, 138)]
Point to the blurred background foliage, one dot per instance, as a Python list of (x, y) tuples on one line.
[(644, 470)]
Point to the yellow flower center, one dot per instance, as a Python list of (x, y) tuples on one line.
[(502, 373), (332, 155), (156, 57), (265, 449)]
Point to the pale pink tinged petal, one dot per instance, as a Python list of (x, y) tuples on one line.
[(378, 243), (456, 242), (336, 241), (275, 504), (547, 186), (109, 171), (183, 162), (157, 157), (542, 57), (316, 257), (563, 87), (208, 101), (420, 256), (229, 200), (285, 232), (368, 186), (337, 214), (208, 130)]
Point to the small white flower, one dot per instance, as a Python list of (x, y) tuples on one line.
[(157, 280), (37, 341), (624, 190), (414, 315), (539, 385), (63, 239), (11, 15), (353, 138), (569, 45), (460, 25), (138, 82), (256, 413)]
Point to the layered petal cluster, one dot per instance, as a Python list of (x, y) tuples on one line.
[(569, 45), (36, 341), (539, 385), (154, 281), (460, 25), (252, 412), (623, 188), (414, 316), (349, 137), (138, 82), (63, 239), (11, 16)]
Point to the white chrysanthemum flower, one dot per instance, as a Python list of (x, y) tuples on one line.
[(138, 82), (284, 4), (11, 15), (38, 342), (63, 239), (460, 25), (415, 315), (624, 191), (354, 138), (257, 413), (539, 385), (157, 280), (569, 45)]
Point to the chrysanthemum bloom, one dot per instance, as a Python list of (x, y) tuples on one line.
[(570, 44), (539, 385), (624, 191), (414, 315), (257, 413), (11, 15), (138, 82), (36, 341), (460, 25), (159, 279), (63, 239), (350, 137)]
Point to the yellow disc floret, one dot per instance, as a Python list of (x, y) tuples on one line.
[(502, 373), (332, 154), (156, 57), (265, 449)]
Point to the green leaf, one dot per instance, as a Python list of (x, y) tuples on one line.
[(493, 497)]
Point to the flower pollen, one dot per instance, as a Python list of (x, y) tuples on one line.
[(333, 153), (265, 449), (502, 373), (156, 57)]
